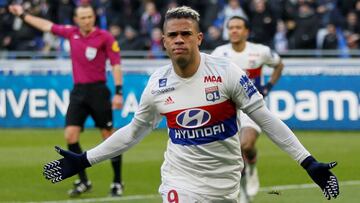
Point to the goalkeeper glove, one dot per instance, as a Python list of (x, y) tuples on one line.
[(264, 90), (60, 169), (320, 173)]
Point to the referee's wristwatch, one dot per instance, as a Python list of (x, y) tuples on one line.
[(118, 90), (22, 16)]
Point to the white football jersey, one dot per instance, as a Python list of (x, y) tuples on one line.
[(251, 59), (202, 154)]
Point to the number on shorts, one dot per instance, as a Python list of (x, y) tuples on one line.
[(173, 196)]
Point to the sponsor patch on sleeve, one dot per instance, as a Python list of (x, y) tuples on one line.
[(248, 86), (115, 47)]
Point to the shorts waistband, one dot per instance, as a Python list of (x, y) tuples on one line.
[(90, 84)]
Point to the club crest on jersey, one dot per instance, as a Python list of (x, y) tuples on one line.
[(248, 86), (193, 118), (90, 53), (212, 78), (162, 82), (212, 93)]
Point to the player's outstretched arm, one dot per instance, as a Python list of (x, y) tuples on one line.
[(37, 22), (282, 136), (320, 173), (69, 165)]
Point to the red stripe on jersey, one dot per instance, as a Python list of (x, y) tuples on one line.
[(219, 113), (254, 73)]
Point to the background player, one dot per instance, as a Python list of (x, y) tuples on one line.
[(251, 58), (199, 95), (90, 47)]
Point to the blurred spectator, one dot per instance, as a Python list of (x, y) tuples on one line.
[(125, 13), (131, 40), (327, 12), (150, 19), (301, 19), (346, 6), (65, 10), (280, 40), (117, 32), (232, 8), (212, 39), (25, 37), (306, 28), (352, 30), (208, 11), (330, 39), (6, 28), (357, 9), (155, 44), (262, 22)]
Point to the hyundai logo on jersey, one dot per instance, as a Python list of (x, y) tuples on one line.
[(202, 125), (247, 85), (162, 82), (193, 118)]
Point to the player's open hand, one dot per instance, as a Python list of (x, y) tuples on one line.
[(60, 169), (322, 176), (16, 9)]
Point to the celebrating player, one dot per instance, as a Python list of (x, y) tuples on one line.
[(199, 95), (251, 58)]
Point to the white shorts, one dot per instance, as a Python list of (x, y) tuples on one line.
[(175, 195), (245, 121)]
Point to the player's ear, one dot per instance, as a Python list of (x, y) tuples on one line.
[(163, 41), (200, 38)]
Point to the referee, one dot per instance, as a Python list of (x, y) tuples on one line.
[(90, 47)]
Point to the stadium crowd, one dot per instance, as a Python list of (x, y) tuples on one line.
[(136, 24)]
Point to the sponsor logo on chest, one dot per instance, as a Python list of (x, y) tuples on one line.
[(212, 78)]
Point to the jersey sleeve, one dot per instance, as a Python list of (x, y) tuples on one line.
[(112, 50), (271, 58), (62, 30), (279, 133), (147, 113), (242, 91)]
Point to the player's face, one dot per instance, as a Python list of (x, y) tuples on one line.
[(85, 19), (237, 31), (181, 39)]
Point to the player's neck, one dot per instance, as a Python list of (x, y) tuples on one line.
[(239, 46), (189, 69)]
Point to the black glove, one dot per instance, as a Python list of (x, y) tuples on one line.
[(68, 166), (322, 176), (264, 90)]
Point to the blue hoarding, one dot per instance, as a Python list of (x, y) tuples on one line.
[(41, 100), (303, 101)]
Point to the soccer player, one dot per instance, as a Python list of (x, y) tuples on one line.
[(199, 95), (251, 58), (90, 47)]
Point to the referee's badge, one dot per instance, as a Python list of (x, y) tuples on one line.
[(90, 53)]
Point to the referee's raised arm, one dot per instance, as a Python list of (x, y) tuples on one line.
[(37, 22)]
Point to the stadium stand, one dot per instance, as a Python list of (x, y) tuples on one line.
[(288, 24)]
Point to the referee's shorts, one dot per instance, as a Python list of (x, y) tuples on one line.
[(90, 99)]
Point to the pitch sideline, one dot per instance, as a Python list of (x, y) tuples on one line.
[(152, 196)]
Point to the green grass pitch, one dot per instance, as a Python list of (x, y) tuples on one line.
[(23, 153)]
